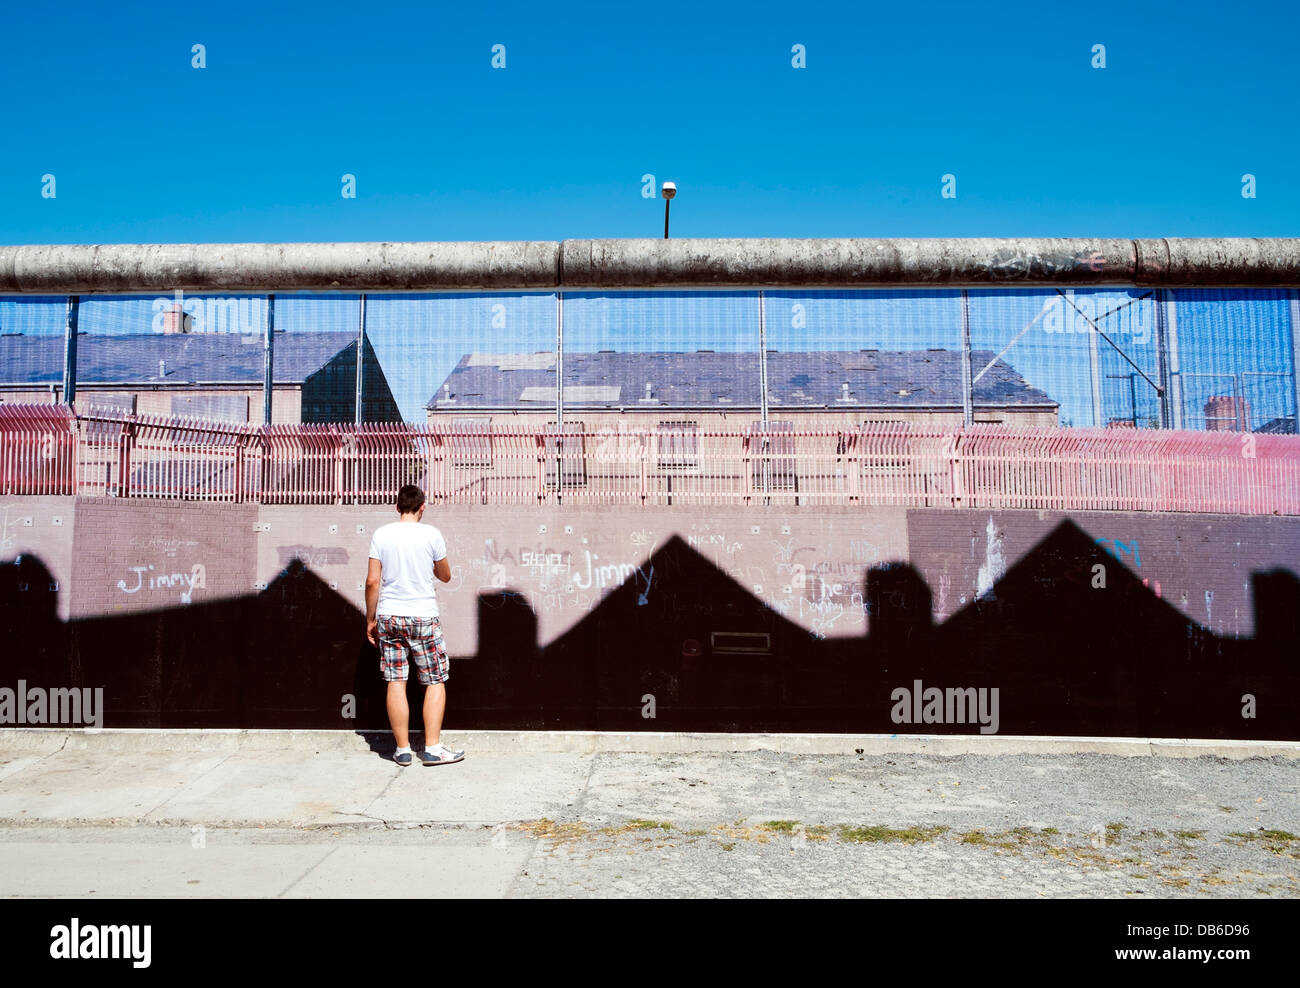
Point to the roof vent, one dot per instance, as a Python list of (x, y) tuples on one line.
[(649, 395), (162, 368)]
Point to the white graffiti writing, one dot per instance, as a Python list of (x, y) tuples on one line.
[(195, 579)]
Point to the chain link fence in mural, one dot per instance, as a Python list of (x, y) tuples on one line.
[(671, 364)]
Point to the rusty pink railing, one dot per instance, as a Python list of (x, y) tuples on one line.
[(47, 449)]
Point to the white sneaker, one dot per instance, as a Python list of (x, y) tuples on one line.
[(440, 754)]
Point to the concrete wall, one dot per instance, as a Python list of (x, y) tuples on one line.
[(566, 563), (43, 527), (645, 263), (1200, 564), (250, 615), (808, 564)]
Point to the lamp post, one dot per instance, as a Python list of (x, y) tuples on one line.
[(669, 190)]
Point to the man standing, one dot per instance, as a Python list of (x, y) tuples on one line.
[(402, 620)]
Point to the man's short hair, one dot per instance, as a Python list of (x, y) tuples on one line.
[(410, 499)]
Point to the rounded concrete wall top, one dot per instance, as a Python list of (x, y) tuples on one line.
[(646, 263)]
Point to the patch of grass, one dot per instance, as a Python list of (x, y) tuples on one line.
[(1012, 839), (636, 826), (789, 828), (547, 829), (877, 834), (1277, 841), (1113, 830), (1190, 834), (1050, 831), (728, 847), (736, 832)]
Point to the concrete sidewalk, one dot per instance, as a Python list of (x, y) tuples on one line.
[(327, 813)]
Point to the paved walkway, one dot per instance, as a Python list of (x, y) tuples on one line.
[(326, 814)]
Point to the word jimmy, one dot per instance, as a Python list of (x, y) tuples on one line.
[(91, 942), (57, 706), (951, 706)]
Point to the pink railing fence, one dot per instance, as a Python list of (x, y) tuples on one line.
[(47, 449)]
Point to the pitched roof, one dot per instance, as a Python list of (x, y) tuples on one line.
[(706, 378), (188, 358)]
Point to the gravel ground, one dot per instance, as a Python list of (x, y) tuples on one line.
[(757, 824)]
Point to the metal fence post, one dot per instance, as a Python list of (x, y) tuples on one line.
[(268, 360), (762, 359), (74, 467), (1170, 308), (240, 441), (1094, 366), (967, 386), (361, 345), (126, 443), (1162, 360), (763, 443), (1295, 359), (70, 351), (559, 398)]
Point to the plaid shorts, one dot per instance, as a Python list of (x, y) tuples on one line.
[(421, 638)]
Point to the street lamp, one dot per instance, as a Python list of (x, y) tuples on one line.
[(669, 190)]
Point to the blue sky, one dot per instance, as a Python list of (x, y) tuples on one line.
[(145, 148)]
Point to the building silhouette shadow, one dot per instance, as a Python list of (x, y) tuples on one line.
[(699, 652)]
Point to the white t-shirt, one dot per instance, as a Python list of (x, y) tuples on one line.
[(407, 551)]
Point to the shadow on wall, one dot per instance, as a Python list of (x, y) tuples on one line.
[(1045, 652)]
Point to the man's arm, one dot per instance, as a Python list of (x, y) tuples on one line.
[(442, 570), (374, 577)]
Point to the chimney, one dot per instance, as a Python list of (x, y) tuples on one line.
[(176, 320), (1226, 413), (162, 368)]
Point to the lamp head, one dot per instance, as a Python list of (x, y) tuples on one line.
[(669, 189)]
